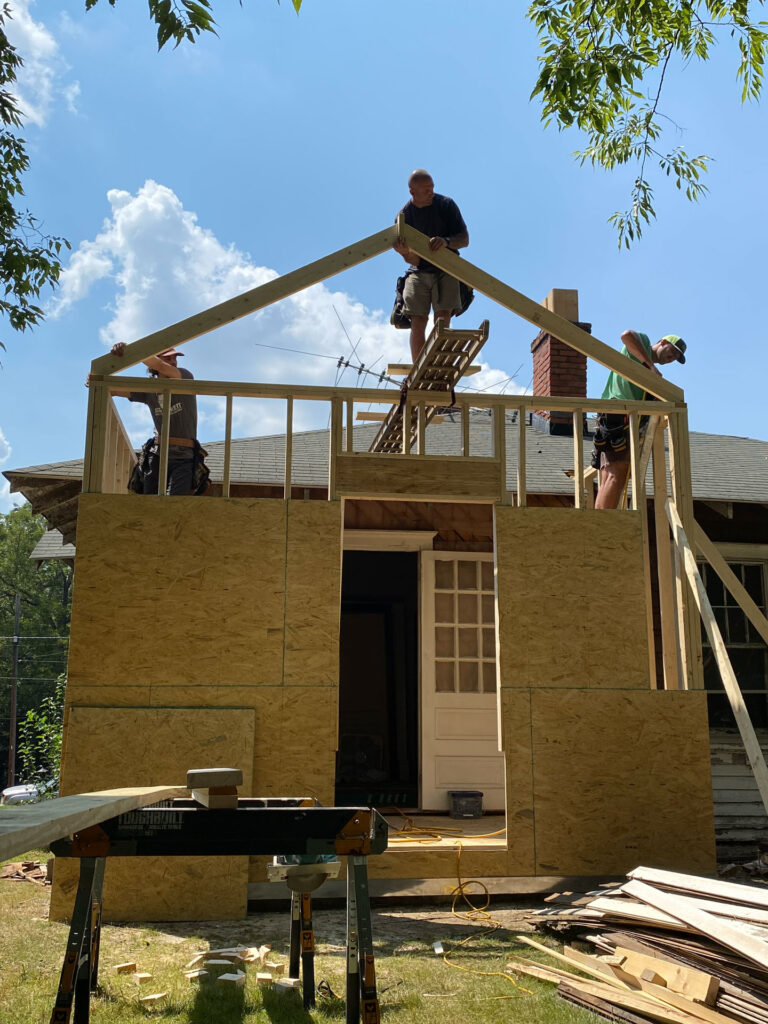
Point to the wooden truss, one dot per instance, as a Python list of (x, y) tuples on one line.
[(313, 273)]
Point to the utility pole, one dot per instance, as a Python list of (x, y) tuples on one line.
[(14, 690)]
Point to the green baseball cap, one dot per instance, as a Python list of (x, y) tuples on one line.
[(677, 341)]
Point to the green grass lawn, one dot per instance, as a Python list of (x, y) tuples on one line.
[(415, 985)]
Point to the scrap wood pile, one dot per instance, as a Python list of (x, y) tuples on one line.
[(680, 949)]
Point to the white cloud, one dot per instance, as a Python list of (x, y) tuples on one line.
[(165, 267), (41, 79), (6, 501), (5, 448)]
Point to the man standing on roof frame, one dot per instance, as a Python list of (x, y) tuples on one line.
[(611, 454), (426, 286), (184, 453)]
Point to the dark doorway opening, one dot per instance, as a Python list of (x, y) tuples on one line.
[(377, 761)]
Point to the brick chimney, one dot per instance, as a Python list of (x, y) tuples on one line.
[(558, 369)]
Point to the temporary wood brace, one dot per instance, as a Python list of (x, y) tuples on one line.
[(440, 365), (730, 683)]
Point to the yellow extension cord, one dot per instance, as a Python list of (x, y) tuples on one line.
[(409, 833)]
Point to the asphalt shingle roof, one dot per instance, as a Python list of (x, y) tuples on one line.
[(724, 468)]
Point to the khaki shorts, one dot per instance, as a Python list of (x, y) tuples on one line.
[(426, 289)]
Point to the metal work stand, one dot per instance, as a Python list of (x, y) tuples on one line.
[(282, 826), (80, 972), (361, 971)]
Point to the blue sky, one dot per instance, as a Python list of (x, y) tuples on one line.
[(185, 177)]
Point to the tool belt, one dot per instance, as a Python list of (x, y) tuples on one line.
[(178, 442)]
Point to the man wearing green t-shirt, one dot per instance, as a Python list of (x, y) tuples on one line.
[(611, 453)]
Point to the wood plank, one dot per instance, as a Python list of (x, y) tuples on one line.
[(34, 825), (728, 676), (738, 892), (590, 965), (403, 369), (641, 1002), (541, 317), (630, 911), (687, 981), (734, 585), (248, 302), (377, 417), (670, 629), (738, 940), (679, 1001)]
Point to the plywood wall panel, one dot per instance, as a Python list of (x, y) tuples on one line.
[(575, 576), (313, 593), (621, 778), (178, 591), (107, 748), (155, 889), (516, 744)]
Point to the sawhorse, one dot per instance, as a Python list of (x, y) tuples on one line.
[(257, 826)]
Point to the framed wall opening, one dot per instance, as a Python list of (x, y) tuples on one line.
[(377, 758)]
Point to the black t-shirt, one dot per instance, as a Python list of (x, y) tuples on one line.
[(441, 219), (183, 415)]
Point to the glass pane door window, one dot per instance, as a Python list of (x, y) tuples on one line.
[(465, 626)]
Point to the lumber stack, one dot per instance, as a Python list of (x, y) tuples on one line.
[(668, 947)]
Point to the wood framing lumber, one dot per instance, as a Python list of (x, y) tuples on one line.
[(630, 911), (748, 946), (730, 683), (377, 417), (601, 1007), (541, 317), (217, 798), (668, 995), (249, 302), (736, 892), (590, 965), (755, 915), (689, 982), (639, 1001), (670, 642), (34, 825), (403, 369), (726, 574)]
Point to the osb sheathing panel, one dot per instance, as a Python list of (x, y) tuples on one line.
[(566, 580), (621, 778), (160, 889), (107, 748), (390, 476), (312, 593), (516, 744), (178, 592)]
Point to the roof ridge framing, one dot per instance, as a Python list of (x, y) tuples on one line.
[(248, 302), (541, 317), (343, 259)]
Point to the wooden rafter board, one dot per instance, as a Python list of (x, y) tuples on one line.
[(446, 355), (34, 825)]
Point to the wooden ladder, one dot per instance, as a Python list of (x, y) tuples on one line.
[(441, 364)]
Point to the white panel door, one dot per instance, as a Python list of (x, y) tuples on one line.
[(459, 711)]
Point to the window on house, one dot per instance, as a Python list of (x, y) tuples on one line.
[(746, 648), (465, 631)]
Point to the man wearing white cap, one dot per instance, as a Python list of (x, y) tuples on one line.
[(611, 453)]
